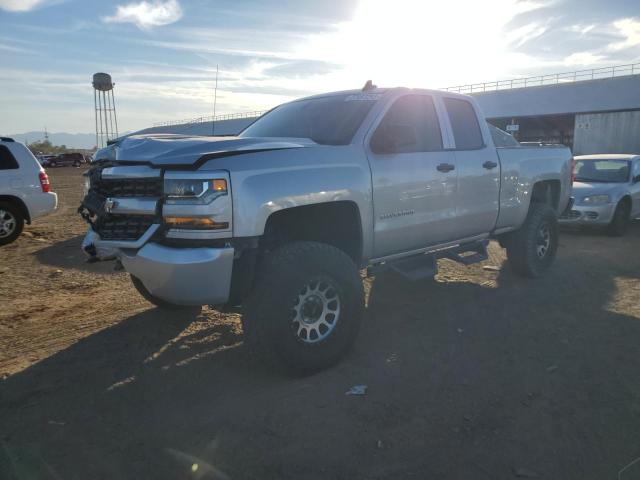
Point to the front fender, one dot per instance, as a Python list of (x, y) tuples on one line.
[(257, 195)]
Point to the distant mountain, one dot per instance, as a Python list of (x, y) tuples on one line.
[(71, 140)]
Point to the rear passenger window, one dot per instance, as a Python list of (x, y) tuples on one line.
[(464, 122), (410, 125), (7, 160)]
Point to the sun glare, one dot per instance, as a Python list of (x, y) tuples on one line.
[(423, 43)]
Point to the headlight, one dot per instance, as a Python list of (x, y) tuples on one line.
[(190, 206), (596, 199), (193, 191)]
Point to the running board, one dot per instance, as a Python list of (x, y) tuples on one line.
[(419, 267), (469, 253), (416, 267)]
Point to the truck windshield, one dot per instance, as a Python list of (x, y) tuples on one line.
[(331, 120), (604, 171)]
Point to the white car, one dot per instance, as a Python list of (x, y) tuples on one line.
[(606, 192), (25, 192)]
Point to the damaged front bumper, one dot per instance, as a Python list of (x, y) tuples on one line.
[(182, 276)]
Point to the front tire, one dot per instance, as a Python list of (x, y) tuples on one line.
[(532, 249), (11, 222), (306, 307), (158, 302), (620, 221)]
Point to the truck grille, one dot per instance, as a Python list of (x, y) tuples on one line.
[(129, 187), (572, 215), (123, 227), (114, 226)]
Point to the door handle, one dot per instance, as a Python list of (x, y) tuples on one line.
[(489, 164), (445, 167)]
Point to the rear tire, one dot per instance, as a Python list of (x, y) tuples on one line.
[(158, 302), (532, 249), (620, 221), (306, 307), (11, 222)]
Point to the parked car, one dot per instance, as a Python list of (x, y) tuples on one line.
[(66, 159), (281, 218), (25, 192), (45, 159), (606, 192)]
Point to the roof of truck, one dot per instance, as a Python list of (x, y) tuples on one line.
[(608, 156), (380, 91)]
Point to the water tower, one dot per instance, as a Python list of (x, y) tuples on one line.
[(105, 109)]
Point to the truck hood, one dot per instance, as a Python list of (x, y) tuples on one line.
[(180, 150), (582, 189)]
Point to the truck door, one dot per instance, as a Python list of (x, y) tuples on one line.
[(414, 179), (478, 166)]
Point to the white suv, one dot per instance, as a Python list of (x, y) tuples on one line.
[(24, 189)]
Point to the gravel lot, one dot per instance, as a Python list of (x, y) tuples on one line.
[(476, 375)]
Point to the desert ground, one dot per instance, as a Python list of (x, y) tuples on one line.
[(477, 374)]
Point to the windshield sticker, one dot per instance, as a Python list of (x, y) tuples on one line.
[(367, 97)]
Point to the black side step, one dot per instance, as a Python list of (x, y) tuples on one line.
[(418, 267), (468, 253)]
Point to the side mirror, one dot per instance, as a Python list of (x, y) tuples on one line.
[(636, 179), (393, 139)]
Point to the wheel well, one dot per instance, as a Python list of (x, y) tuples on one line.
[(335, 223), (19, 203), (626, 199), (546, 191)]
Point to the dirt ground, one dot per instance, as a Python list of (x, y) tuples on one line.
[(477, 375)]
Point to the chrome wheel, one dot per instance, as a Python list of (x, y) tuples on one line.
[(316, 311), (7, 223), (543, 240)]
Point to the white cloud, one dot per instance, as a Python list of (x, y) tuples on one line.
[(13, 48), (581, 29), (20, 5), (629, 28), (524, 34), (583, 58), (146, 15)]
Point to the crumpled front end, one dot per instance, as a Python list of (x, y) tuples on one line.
[(168, 229)]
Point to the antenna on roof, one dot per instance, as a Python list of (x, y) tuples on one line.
[(369, 86)]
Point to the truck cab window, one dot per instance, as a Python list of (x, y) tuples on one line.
[(466, 130), (410, 125), (7, 160)]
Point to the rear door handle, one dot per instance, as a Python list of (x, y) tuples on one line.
[(445, 167), (489, 164)]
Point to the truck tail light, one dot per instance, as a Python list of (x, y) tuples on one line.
[(44, 182)]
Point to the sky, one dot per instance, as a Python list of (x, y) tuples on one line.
[(162, 54)]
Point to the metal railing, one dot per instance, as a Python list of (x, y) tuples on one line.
[(552, 79), (536, 81), (211, 118)]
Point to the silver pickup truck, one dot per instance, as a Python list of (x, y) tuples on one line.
[(281, 218)]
